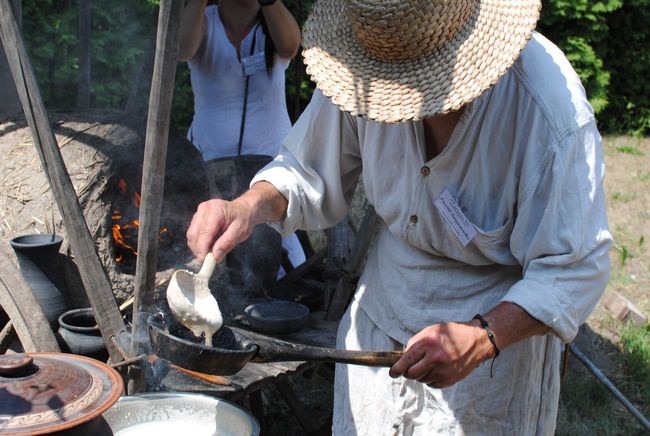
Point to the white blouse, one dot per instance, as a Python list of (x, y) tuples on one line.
[(218, 83), (525, 167)]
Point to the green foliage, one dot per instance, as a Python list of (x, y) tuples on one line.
[(624, 253), (579, 28), (119, 31), (605, 40), (628, 59), (629, 150)]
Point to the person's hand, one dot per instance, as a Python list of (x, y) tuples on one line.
[(443, 354), (229, 222)]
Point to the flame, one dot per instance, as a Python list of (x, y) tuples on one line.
[(125, 232), (121, 186)]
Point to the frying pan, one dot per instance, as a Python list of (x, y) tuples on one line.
[(233, 348)]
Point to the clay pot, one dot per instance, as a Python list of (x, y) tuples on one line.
[(37, 256), (44, 393), (79, 334)]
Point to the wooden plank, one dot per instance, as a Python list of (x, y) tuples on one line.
[(7, 337), (155, 153), (93, 276), (27, 317)]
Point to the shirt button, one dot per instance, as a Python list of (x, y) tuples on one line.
[(425, 171), (413, 219)]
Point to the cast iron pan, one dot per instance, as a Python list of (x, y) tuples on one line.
[(233, 348)]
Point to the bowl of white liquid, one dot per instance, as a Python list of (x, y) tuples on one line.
[(163, 414)]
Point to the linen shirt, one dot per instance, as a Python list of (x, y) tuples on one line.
[(524, 164), (218, 83)]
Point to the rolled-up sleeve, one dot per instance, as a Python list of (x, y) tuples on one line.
[(317, 169), (561, 235)]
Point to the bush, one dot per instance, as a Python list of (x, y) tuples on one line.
[(580, 29), (605, 40), (628, 59), (119, 32)]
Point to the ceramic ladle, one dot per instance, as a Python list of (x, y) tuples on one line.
[(192, 303)]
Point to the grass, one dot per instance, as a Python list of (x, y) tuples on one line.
[(620, 196), (624, 253), (628, 149), (635, 342), (642, 177)]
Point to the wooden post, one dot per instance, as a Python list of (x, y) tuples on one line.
[(9, 101), (83, 87), (155, 153), (92, 272)]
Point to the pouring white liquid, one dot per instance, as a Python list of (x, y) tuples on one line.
[(191, 301)]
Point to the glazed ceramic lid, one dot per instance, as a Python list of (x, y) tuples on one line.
[(46, 392)]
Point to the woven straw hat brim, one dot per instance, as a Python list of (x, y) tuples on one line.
[(441, 81)]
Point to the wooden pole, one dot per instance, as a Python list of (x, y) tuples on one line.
[(83, 87), (95, 280), (155, 154)]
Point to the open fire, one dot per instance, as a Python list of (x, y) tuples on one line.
[(125, 228)]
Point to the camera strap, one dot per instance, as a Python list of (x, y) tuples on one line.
[(243, 114)]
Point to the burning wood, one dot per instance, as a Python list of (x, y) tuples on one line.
[(125, 230)]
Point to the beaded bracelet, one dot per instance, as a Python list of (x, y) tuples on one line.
[(490, 335)]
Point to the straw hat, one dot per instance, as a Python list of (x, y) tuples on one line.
[(399, 60)]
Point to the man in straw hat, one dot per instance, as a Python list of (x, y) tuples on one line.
[(480, 153)]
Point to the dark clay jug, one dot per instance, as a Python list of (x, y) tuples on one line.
[(38, 260)]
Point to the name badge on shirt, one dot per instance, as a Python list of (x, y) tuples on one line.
[(455, 218), (253, 64)]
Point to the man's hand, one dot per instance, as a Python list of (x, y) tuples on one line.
[(232, 222), (229, 222), (443, 354)]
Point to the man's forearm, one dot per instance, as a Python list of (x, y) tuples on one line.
[(510, 323), (266, 201)]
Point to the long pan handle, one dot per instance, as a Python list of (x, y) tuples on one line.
[(281, 351)]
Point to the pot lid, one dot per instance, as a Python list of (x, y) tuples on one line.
[(46, 392)]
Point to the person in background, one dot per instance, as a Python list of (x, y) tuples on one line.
[(479, 151), (237, 52)]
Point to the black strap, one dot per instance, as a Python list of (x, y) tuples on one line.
[(243, 113), (488, 330)]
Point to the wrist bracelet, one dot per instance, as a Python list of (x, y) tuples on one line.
[(488, 330), (266, 2)]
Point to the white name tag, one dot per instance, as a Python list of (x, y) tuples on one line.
[(253, 64), (455, 218)]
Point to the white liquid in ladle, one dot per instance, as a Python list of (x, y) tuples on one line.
[(191, 301)]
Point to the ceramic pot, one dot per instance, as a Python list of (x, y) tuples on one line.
[(79, 334), (45, 393), (37, 256)]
